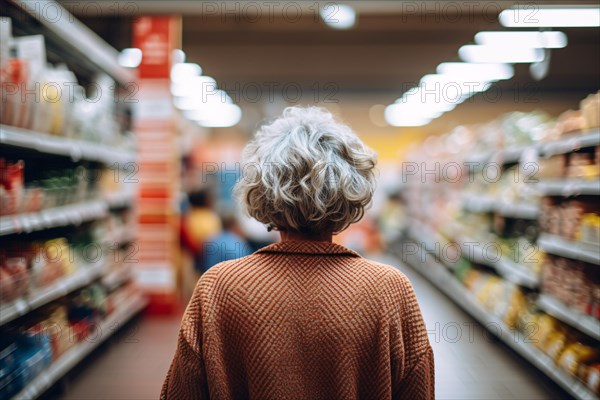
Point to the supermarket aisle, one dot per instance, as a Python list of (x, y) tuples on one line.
[(470, 362), (131, 367), (472, 366)]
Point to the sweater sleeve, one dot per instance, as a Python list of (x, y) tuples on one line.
[(412, 355), (186, 378)]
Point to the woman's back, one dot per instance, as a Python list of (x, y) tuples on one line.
[(306, 320)]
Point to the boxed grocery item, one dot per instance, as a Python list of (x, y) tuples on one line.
[(33, 50), (590, 110)]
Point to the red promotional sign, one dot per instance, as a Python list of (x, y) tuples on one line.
[(157, 37)]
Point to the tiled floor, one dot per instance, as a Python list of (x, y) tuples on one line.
[(470, 364)]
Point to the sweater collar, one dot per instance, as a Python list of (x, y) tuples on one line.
[(308, 247)]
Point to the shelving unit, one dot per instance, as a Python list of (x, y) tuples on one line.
[(73, 356), (559, 246), (567, 144), (85, 275), (73, 37), (75, 149), (486, 204), (71, 214), (582, 322), (439, 275), (90, 59)]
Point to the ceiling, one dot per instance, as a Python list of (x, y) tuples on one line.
[(393, 44)]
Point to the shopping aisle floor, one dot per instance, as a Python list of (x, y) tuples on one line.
[(470, 363)]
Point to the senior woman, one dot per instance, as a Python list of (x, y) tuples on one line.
[(303, 318)]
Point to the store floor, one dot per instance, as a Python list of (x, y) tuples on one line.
[(470, 363)]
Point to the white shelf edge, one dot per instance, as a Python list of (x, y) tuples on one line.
[(484, 204), (73, 356), (70, 214), (40, 297), (447, 283), (568, 187), (57, 145), (569, 143), (582, 322), (559, 246)]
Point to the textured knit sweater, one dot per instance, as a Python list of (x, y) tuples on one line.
[(302, 320)]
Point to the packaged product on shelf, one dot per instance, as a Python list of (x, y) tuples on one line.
[(583, 165), (590, 109), (555, 343), (576, 354), (554, 167), (569, 121), (55, 325), (590, 375), (22, 357), (53, 260), (11, 186), (573, 282), (33, 49), (14, 76), (14, 278), (517, 304)]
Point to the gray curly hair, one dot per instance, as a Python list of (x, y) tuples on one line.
[(306, 172)]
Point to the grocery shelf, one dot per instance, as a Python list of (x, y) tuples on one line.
[(73, 356), (508, 269), (442, 278), (116, 278), (84, 45), (120, 199), (571, 143), (83, 276), (568, 187), (62, 146), (582, 322), (486, 204), (559, 246), (72, 214)]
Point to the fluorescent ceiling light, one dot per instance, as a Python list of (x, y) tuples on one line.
[(130, 58), (473, 53), (547, 39), (394, 118), (194, 86), (338, 16), (202, 101), (182, 71), (178, 56), (216, 115), (535, 16), (443, 83), (476, 72)]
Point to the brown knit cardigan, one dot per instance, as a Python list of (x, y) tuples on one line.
[(302, 320)]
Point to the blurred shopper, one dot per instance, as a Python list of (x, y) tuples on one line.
[(303, 318), (229, 244), (199, 223)]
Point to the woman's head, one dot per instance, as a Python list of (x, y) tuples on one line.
[(306, 172)]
